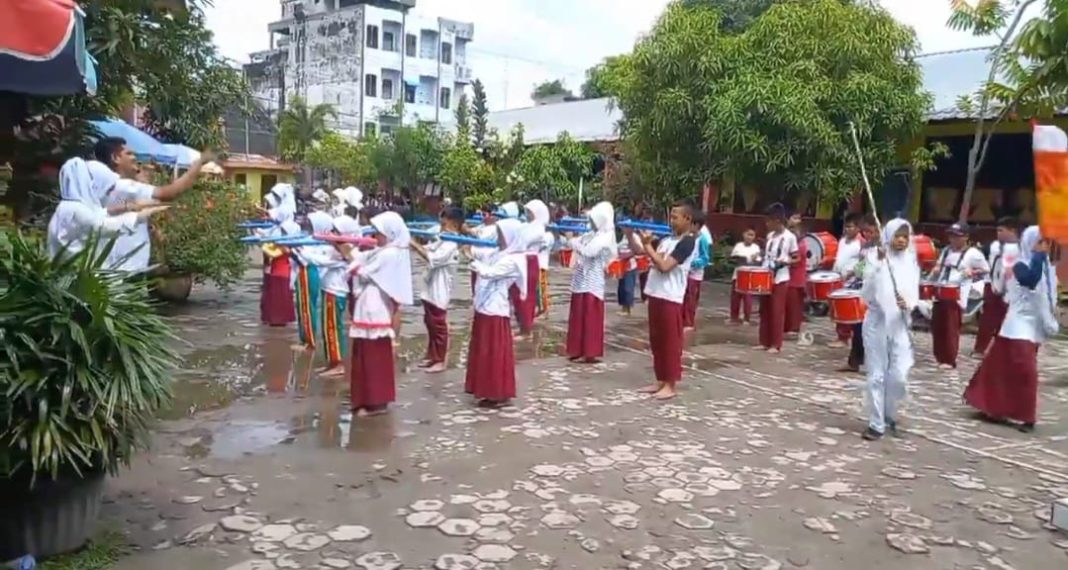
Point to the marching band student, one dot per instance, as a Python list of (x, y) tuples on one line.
[(844, 261), (666, 290), (334, 302), (696, 276), (959, 264), (627, 284), (780, 253), (486, 231), (593, 251), (490, 355), (535, 234), (442, 258), (1005, 386), (308, 289), (1003, 253), (381, 281), (276, 300), (891, 290), (745, 252), (795, 294), (869, 231)]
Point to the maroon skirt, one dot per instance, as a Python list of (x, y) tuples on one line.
[(993, 314), (437, 332), (276, 302), (491, 359), (945, 331), (690, 302), (526, 309), (585, 327), (372, 383), (1005, 386), (665, 339)]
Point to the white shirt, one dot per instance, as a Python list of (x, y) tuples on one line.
[(139, 241), (588, 276), (778, 250), (491, 287), (80, 221), (372, 313), (951, 266), (442, 258), (848, 255), (1002, 258), (748, 252), (670, 286), (333, 269), (545, 247)]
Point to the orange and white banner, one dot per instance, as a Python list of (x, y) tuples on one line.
[(1051, 181)]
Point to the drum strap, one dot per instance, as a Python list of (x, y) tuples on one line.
[(945, 270)]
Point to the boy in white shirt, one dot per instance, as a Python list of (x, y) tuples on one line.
[(1003, 253), (745, 252), (442, 258), (844, 261), (780, 252), (966, 267)]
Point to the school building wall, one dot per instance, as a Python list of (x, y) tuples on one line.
[(258, 182)]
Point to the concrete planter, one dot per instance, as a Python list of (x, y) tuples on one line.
[(51, 518), (172, 288)]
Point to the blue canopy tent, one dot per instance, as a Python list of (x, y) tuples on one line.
[(185, 155), (42, 48), (143, 145)]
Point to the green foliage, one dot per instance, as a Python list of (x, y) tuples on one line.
[(736, 15), (550, 89), (85, 362), (552, 172), (300, 127), (463, 118), (409, 157), (480, 113), (772, 103), (606, 78), (198, 235), (101, 553), (352, 160)]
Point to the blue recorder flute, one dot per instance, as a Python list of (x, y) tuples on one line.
[(462, 240), (655, 229)]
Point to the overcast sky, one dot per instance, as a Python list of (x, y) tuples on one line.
[(519, 43)]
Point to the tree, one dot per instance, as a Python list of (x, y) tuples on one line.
[(773, 103), (1027, 75), (463, 118), (300, 127), (552, 172), (409, 157), (550, 89), (604, 79), (351, 160), (480, 110), (737, 15)]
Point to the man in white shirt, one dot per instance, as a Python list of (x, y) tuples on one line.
[(131, 252), (844, 261), (965, 266), (780, 252)]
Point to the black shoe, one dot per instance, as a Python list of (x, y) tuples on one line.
[(871, 435), (892, 428)]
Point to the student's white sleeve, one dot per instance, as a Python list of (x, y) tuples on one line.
[(442, 256), (99, 220), (503, 270)]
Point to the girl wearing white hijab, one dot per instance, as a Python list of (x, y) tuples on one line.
[(491, 357), (276, 298), (540, 245), (382, 282), (1005, 386), (334, 287), (891, 290), (308, 288), (592, 253), (80, 212)]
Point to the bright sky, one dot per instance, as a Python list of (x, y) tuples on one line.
[(520, 43)]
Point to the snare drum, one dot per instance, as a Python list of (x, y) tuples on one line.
[(822, 248), (947, 292), (926, 254), (847, 308), (927, 290), (565, 257), (617, 268), (821, 284), (754, 280), (644, 263)]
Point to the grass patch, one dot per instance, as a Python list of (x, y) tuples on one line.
[(102, 552)]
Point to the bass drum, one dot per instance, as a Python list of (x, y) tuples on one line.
[(822, 249)]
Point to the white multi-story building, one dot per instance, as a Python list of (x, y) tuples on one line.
[(377, 62)]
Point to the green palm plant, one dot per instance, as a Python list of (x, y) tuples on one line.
[(301, 126), (85, 362)]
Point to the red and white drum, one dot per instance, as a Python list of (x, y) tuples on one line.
[(644, 263), (947, 292), (822, 248), (754, 281), (927, 290), (565, 257), (821, 284), (617, 268), (847, 308), (926, 254)]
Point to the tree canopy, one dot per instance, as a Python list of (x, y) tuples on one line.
[(604, 79), (550, 89), (301, 126), (773, 103)]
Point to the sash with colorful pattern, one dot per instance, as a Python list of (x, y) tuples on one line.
[(307, 297), (334, 317)]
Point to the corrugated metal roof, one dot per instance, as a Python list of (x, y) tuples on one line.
[(949, 75), (586, 121)]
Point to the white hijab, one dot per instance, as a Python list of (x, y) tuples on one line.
[(534, 231), (79, 187), (321, 222), (603, 236), (906, 274), (347, 226), (351, 196), (510, 210), (1047, 285), (283, 203), (390, 266), (514, 251)]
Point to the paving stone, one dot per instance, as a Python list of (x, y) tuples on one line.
[(622, 507), (458, 527), (491, 506), (427, 505), (424, 519), (625, 522), (379, 561), (306, 541), (338, 563), (494, 519), (456, 562), (494, 553), (694, 521), (911, 520), (560, 520), (495, 535), (274, 533), (254, 565), (197, 534), (241, 523), (349, 533), (907, 543), (676, 495)]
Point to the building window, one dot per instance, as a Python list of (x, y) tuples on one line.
[(388, 41), (446, 54), (369, 129), (372, 37), (387, 89), (410, 45), (370, 85), (409, 93), (387, 130), (241, 179), (446, 98)]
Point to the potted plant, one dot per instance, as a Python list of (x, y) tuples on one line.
[(197, 239), (85, 362)]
